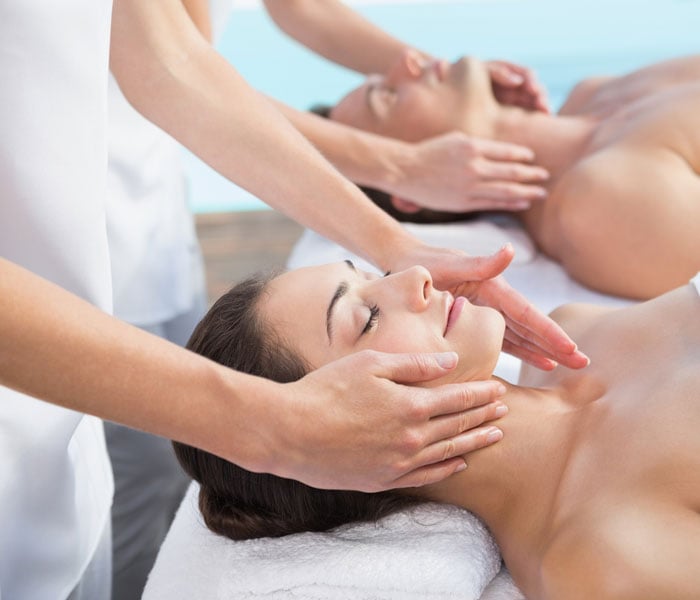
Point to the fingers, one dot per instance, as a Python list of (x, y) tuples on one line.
[(536, 359), (433, 467), (453, 399), (508, 194), (409, 368), (517, 85), (502, 151), (512, 171), (506, 74), (525, 345), (450, 426), (538, 332)]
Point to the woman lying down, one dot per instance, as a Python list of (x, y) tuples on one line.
[(594, 490)]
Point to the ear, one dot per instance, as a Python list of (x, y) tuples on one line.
[(405, 206)]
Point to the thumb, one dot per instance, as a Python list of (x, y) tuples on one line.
[(414, 368), (488, 267)]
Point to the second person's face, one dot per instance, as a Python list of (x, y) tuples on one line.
[(415, 100), (327, 312)]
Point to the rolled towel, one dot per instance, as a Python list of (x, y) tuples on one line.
[(430, 551)]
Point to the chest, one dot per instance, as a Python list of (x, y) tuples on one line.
[(668, 120)]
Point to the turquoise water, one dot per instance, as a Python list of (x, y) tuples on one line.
[(563, 41)]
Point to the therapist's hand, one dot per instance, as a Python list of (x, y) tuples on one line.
[(350, 426), (457, 173), (530, 335), (517, 86)]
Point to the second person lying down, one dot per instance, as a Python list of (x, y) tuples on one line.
[(623, 212)]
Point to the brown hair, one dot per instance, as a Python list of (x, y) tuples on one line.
[(237, 503)]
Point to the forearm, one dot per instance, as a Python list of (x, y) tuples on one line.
[(171, 75), (365, 158), (338, 33), (59, 348)]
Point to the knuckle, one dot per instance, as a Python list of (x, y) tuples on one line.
[(412, 441), (417, 411), (425, 479), (402, 467), (466, 422), (469, 145), (449, 450), (469, 397)]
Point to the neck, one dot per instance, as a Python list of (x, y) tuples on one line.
[(512, 484), (557, 141)]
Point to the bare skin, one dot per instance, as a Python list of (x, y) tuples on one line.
[(595, 488), (623, 212), (594, 492)]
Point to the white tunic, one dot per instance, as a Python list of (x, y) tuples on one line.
[(55, 480), (156, 262)]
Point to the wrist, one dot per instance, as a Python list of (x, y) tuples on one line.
[(394, 162)]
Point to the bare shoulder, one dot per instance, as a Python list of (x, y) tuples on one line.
[(641, 552), (577, 320), (580, 99)]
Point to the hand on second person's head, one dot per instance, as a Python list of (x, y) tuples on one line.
[(354, 427), (454, 172), (530, 335), (517, 86)]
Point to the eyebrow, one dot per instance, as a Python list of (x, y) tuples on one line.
[(340, 291)]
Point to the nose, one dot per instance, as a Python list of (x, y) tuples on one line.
[(414, 286), (409, 66)]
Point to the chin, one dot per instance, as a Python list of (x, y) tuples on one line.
[(480, 344)]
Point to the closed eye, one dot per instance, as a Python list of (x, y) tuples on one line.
[(381, 99), (373, 318)]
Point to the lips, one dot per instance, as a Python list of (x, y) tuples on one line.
[(455, 311)]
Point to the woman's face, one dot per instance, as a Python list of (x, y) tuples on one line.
[(415, 100), (330, 311)]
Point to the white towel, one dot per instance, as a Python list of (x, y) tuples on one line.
[(431, 552)]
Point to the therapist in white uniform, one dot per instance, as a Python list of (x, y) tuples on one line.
[(55, 484), (55, 478)]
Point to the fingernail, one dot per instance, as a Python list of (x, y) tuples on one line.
[(461, 467), (447, 360), (494, 435), (501, 410), (501, 390)]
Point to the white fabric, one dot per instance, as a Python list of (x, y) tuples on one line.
[(55, 480), (542, 281), (428, 552), (502, 587), (157, 268), (695, 282)]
